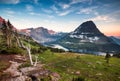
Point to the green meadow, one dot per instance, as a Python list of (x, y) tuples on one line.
[(85, 66)]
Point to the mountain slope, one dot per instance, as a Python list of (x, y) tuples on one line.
[(115, 40), (87, 38)]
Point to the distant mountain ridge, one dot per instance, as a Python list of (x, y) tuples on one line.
[(115, 40), (42, 35)]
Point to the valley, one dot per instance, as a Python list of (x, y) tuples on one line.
[(37, 55)]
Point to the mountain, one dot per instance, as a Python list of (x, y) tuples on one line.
[(87, 38), (42, 35), (117, 37), (115, 40), (1, 21)]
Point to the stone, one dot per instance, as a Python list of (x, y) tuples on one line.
[(55, 76), (77, 72)]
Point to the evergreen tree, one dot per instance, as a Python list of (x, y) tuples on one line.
[(107, 57)]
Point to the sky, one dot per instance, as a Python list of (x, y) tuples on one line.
[(63, 15)]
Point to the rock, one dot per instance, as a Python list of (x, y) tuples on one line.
[(20, 58), (16, 75), (77, 72), (20, 78), (26, 70), (13, 69), (55, 76)]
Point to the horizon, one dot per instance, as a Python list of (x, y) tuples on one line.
[(63, 15)]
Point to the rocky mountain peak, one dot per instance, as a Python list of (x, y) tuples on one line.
[(87, 27)]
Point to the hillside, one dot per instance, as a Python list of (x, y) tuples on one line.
[(115, 40), (19, 55)]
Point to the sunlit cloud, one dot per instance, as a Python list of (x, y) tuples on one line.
[(9, 1), (100, 18), (64, 6), (105, 18), (87, 11), (65, 13)]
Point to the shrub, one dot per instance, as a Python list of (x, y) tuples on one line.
[(117, 55), (12, 51), (25, 65), (78, 79)]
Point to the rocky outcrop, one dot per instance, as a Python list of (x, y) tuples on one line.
[(32, 73)]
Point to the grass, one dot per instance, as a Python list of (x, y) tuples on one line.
[(90, 67)]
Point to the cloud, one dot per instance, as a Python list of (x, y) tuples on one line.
[(76, 1), (29, 7), (36, 1), (85, 11), (9, 1), (64, 6), (105, 18), (55, 9), (65, 10), (88, 11), (115, 14), (100, 18), (72, 3), (79, 1), (65, 13), (47, 11), (9, 11), (9, 15), (110, 17), (50, 16), (35, 14)]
